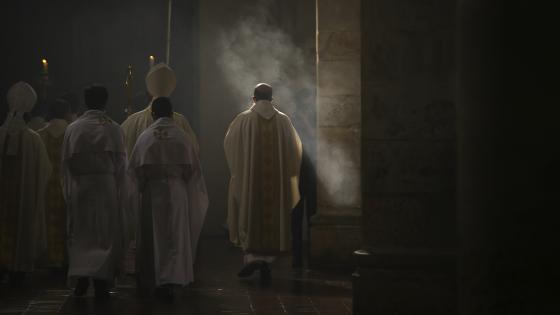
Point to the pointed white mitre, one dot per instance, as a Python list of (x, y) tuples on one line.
[(161, 80), (21, 97)]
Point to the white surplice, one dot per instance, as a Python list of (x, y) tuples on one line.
[(169, 184), (94, 169), (263, 152), (160, 82), (135, 124), (24, 147)]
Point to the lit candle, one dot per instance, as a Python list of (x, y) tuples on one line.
[(152, 60), (45, 66)]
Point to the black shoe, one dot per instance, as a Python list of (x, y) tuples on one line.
[(250, 268), (265, 274), (81, 286), (101, 291)]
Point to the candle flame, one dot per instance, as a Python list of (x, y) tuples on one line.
[(152, 57), (44, 61)]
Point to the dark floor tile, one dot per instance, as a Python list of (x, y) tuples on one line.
[(217, 290), (295, 299), (329, 305)]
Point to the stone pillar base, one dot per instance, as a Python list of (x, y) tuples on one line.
[(404, 282), (333, 239)]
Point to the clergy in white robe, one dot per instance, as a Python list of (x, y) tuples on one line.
[(24, 172), (263, 152), (94, 168), (170, 186), (160, 82)]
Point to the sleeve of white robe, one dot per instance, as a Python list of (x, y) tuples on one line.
[(130, 133), (123, 195), (198, 198), (186, 127), (231, 147), (67, 180)]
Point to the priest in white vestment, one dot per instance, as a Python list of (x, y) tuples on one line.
[(170, 186), (160, 82), (263, 152), (94, 167), (24, 172)]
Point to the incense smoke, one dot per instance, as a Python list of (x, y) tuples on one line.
[(257, 51)]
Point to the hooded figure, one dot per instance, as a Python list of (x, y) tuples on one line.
[(263, 152), (169, 184), (24, 172), (93, 172), (160, 82)]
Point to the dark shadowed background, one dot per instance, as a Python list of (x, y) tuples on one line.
[(219, 51), (95, 41)]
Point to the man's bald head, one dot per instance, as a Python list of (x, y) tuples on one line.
[(263, 91)]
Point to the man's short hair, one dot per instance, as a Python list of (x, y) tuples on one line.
[(59, 108), (263, 91), (95, 97), (161, 107)]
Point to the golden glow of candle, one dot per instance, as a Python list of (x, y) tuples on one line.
[(152, 60), (45, 65)]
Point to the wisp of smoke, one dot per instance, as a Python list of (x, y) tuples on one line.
[(256, 51)]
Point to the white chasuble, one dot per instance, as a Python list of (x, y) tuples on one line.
[(171, 192), (263, 151)]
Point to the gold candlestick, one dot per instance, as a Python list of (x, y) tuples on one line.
[(128, 86)]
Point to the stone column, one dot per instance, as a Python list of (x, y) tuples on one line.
[(409, 156), (335, 229)]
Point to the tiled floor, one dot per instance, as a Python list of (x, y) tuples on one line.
[(216, 291)]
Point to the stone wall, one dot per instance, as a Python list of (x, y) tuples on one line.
[(409, 158), (335, 229), (409, 124)]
